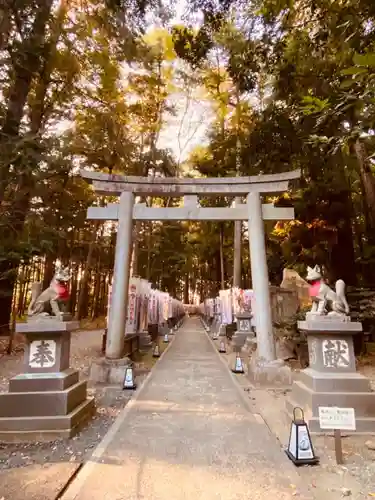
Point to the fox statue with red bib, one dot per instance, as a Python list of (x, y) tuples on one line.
[(322, 295), (54, 296)]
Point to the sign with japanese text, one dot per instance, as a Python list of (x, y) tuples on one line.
[(133, 305), (109, 303), (332, 417)]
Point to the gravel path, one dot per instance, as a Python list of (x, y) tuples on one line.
[(109, 401)]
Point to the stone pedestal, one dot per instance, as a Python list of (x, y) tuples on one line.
[(153, 331), (145, 341), (331, 378), (109, 371), (164, 328), (268, 373), (250, 345), (215, 326), (223, 330), (46, 401), (243, 331)]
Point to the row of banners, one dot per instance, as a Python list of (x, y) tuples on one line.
[(147, 306), (229, 304)]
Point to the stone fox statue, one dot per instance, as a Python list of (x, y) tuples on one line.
[(322, 294), (56, 293)]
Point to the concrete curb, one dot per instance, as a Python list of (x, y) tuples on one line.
[(259, 416), (79, 481), (240, 389)]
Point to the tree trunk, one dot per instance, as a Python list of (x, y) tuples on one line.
[(217, 260), (26, 287), (342, 255), (73, 293), (49, 270), (368, 181), (149, 239), (21, 279), (342, 261), (186, 289), (5, 24), (27, 63), (96, 296), (237, 246), (83, 292), (135, 258), (222, 256), (10, 234)]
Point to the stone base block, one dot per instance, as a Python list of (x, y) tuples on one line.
[(333, 382), (238, 340), (46, 428), (351, 390), (46, 325), (145, 341), (109, 371), (223, 331), (250, 346), (42, 404), (364, 425), (163, 329), (47, 401), (269, 374), (40, 382), (215, 327)]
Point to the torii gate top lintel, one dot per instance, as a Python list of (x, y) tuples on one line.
[(115, 184)]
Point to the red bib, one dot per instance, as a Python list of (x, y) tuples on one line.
[(314, 288), (63, 292)]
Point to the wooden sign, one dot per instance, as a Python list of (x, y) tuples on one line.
[(337, 419), (332, 417)]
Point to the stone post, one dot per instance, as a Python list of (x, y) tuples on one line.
[(332, 378), (243, 331), (47, 401), (259, 274), (117, 316), (263, 367)]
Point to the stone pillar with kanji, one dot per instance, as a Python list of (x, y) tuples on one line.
[(244, 330), (331, 378), (47, 400)]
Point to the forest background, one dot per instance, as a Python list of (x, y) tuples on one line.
[(208, 88)]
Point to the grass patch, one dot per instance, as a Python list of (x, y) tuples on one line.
[(145, 360)]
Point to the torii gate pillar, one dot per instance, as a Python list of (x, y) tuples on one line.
[(259, 275), (264, 368), (117, 313)]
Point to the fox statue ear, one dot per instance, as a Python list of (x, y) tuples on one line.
[(317, 268), (309, 269)]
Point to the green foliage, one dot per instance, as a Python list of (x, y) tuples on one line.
[(290, 85)]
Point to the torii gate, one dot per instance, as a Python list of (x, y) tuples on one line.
[(253, 211)]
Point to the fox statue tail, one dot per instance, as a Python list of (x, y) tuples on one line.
[(36, 290), (340, 292)]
